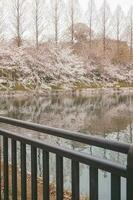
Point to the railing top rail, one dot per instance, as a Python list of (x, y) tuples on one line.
[(69, 135), (89, 160)]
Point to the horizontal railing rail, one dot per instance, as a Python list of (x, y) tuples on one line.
[(81, 157), (69, 135), (9, 144)]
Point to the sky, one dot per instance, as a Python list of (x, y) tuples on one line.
[(113, 3)]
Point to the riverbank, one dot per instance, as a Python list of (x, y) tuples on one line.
[(49, 92)]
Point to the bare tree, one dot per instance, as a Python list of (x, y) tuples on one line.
[(119, 24), (91, 15), (56, 19), (131, 31), (2, 20), (18, 11), (118, 29), (72, 20), (38, 20), (104, 26), (105, 22), (74, 13), (56, 10)]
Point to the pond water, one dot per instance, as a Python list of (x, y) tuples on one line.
[(100, 113)]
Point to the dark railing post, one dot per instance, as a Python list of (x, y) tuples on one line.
[(130, 174)]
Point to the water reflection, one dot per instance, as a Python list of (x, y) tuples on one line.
[(98, 113), (103, 114)]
